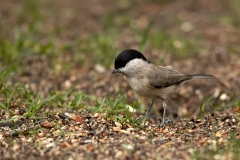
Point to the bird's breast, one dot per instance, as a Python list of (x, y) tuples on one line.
[(139, 85), (136, 84)]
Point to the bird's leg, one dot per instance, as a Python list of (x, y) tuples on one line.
[(149, 109), (147, 115), (165, 103)]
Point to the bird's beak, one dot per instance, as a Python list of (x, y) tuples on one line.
[(114, 71)]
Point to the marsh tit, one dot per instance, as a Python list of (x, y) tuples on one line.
[(149, 80)]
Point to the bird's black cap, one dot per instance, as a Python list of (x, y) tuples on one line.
[(126, 56)]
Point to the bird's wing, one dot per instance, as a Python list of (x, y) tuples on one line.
[(161, 77)]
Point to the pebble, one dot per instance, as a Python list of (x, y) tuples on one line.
[(76, 128), (56, 133), (96, 115), (63, 116), (124, 131), (88, 141), (41, 134), (117, 129), (218, 134), (130, 129), (67, 84), (14, 133), (49, 145), (117, 124), (16, 147), (127, 146)]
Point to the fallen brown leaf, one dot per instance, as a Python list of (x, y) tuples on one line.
[(236, 109), (46, 124), (80, 119), (202, 141), (65, 144)]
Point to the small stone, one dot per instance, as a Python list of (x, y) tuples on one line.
[(50, 145), (130, 129), (41, 134), (76, 128), (169, 143), (63, 116), (224, 97), (88, 141), (117, 129), (73, 116), (102, 140), (124, 131), (118, 154), (14, 133), (83, 134), (96, 115), (67, 84), (190, 131), (105, 134), (128, 125), (128, 147), (118, 124), (16, 147), (56, 133), (165, 131), (67, 114), (179, 140), (73, 140), (218, 134)]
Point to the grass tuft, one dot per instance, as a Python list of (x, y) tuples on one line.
[(35, 105)]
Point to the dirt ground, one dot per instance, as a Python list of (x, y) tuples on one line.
[(80, 134)]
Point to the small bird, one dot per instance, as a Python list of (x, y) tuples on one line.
[(149, 80)]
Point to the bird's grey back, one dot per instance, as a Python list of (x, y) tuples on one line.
[(160, 77)]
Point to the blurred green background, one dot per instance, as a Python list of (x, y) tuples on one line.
[(51, 45)]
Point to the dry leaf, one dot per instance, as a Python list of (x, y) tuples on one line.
[(80, 119), (46, 124)]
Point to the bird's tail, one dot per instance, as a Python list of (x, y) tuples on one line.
[(202, 76)]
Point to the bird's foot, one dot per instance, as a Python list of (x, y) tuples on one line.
[(163, 122), (150, 116), (143, 119)]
